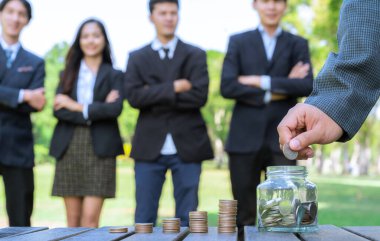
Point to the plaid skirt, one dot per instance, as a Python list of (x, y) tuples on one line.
[(81, 173)]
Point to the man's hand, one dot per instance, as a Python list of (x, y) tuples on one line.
[(64, 101), (299, 71), (305, 125), (250, 80), (35, 98), (112, 96), (182, 85)]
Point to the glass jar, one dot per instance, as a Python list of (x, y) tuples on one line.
[(287, 201)]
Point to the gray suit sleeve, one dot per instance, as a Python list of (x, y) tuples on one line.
[(348, 85)]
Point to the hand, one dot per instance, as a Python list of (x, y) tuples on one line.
[(112, 96), (250, 80), (305, 125), (35, 98), (182, 85), (64, 101), (299, 71)]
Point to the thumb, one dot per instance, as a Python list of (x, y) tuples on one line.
[(304, 140)]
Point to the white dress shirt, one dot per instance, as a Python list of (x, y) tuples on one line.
[(269, 46), (85, 87), (14, 48), (169, 147)]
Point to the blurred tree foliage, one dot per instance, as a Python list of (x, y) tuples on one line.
[(317, 21)]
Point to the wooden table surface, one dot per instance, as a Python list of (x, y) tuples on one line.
[(326, 232)]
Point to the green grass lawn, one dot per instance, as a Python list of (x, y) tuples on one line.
[(342, 200)]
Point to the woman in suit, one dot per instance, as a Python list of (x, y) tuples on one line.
[(86, 139)]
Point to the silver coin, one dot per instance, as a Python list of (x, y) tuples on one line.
[(289, 153), (285, 207)]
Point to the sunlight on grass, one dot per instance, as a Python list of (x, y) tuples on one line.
[(342, 200)]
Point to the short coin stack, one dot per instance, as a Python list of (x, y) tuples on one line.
[(171, 225), (227, 216), (144, 227), (118, 229), (198, 222)]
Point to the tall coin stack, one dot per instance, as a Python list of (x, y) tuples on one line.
[(144, 227), (171, 225), (198, 222), (227, 216)]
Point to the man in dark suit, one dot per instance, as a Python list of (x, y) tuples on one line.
[(265, 71), (347, 87), (167, 81), (21, 92)]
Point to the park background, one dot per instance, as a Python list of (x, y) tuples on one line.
[(346, 173)]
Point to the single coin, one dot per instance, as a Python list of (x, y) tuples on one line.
[(289, 153)]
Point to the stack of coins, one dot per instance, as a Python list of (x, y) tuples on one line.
[(227, 216), (171, 225), (281, 212), (198, 222), (306, 213), (118, 229), (144, 227), (276, 212)]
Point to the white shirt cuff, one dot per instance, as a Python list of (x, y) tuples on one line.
[(267, 97), (85, 112), (20, 96), (265, 82)]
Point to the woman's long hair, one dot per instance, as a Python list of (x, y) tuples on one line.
[(75, 55)]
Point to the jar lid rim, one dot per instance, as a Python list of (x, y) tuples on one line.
[(286, 169)]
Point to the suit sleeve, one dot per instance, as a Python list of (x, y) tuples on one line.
[(348, 85), (143, 95), (9, 96), (230, 87), (295, 87), (101, 110), (197, 96), (69, 116)]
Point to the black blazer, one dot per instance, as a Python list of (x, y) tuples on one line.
[(102, 117), (254, 123), (16, 138), (149, 88)]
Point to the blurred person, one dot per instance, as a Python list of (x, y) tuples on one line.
[(22, 77), (265, 70), (86, 139), (167, 80)]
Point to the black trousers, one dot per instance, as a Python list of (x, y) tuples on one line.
[(19, 187), (245, 174)]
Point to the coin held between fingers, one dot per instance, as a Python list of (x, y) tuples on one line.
[(288, 153)]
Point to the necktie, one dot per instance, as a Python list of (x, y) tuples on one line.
[(166, 57), (8, 55)]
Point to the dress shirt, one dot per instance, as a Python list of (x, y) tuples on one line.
[(169, 147), (85, 87), (269, 46), (14, 48)]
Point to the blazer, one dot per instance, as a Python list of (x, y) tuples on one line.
[(348, 85), (102, 117), (149, 88), (16, 138), (254, 123)]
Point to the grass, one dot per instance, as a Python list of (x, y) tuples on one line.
[(343, 201)]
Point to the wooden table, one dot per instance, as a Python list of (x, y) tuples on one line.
[(326, 232)]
